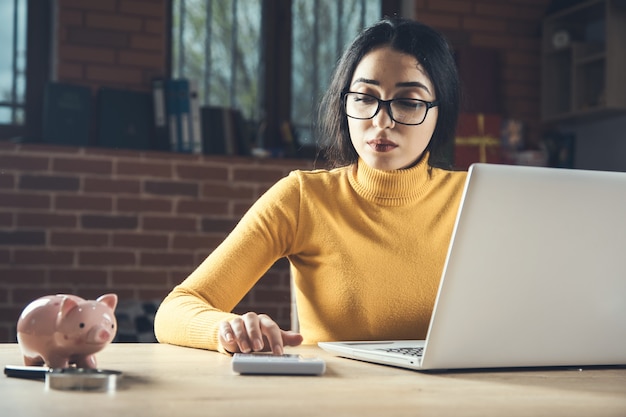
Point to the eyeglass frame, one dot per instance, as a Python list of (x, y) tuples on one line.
[(387, 103)]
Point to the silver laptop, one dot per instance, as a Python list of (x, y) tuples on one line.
[(535, 276)]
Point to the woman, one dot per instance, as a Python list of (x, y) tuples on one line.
[(366, 240)]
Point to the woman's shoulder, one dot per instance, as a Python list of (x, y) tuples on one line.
[(458, 175), (320, 175)]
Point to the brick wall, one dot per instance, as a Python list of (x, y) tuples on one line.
[(86, 220), (89, 221), (117, 43)]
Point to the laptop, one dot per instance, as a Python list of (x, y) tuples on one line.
[(535, 276)]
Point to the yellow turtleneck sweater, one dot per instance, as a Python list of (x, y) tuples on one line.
[(366, 247)]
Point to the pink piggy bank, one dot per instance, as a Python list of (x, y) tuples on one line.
[(59, 330)]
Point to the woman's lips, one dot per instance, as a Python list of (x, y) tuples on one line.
[(382, 145)]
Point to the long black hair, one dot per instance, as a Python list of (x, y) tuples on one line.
[(410, 37)]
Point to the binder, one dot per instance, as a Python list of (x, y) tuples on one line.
[(161, 140), (213, 140), (66, 114), (184, 115), (172, 112), (124, 118)]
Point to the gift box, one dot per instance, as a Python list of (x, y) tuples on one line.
[(477, 140)]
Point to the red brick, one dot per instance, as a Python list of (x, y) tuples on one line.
[(113, 21), (23, 277), (93, 221), (484, 24), (228, 191), (441, 20), (153, 26), (24, 200), (201, 172), (7, 181), (87, 54), (78, 277), (202, 207), (49, 182), (43, 257), (22, 237), (144, 205), (197, 242), (147, 169), (69, 71), (174, 224), (139, 277), (106, 258), (452, 6), (83, 203), (171, 188), (105, 5), (82, 166), (257, 175), (142, 8), (46, 220), (79, 239), (147, 42), (94, 293), (70, 17), (6, 220), (141, 59), (24, 163), (153, 294), (140, 240), (111, 186), (114, 74), (492, 41), (165, 259)]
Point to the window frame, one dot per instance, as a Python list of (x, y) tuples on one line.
[(276, 26), (38, 25)]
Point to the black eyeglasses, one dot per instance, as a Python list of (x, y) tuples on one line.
[(406, 111)]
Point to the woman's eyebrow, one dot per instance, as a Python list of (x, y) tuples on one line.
[(366, 81), (400, 84), (413, 84)]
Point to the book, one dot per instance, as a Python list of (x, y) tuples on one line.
[(172, 114), (184, 115), (66, 114), (213, 138), (160, 139), (195, 118), (124, 119)]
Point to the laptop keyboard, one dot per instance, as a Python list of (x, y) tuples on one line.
[(409, 351)]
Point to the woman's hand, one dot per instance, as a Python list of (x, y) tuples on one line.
[(253, 332)]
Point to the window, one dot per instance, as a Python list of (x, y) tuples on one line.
[(13, 62), (24, 66), (272, 60)]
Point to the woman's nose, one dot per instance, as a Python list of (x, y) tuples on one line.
[(383, 118)]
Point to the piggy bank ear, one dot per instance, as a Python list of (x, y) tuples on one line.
[(67, 304), (108, 299)]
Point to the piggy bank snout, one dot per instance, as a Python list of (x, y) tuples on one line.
[(100, 334)]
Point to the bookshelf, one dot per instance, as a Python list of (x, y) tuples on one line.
[(584, 61)]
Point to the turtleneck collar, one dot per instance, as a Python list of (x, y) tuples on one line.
[(391, 188)]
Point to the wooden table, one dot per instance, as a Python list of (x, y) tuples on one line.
[(163, 380)]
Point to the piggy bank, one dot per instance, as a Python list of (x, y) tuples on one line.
[(59, 330)]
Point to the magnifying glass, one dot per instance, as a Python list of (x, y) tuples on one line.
[(68, 379)]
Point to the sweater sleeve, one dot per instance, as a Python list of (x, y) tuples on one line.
[(191, 313)]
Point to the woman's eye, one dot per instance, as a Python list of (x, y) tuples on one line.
[(364, 99), (410, 104)]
